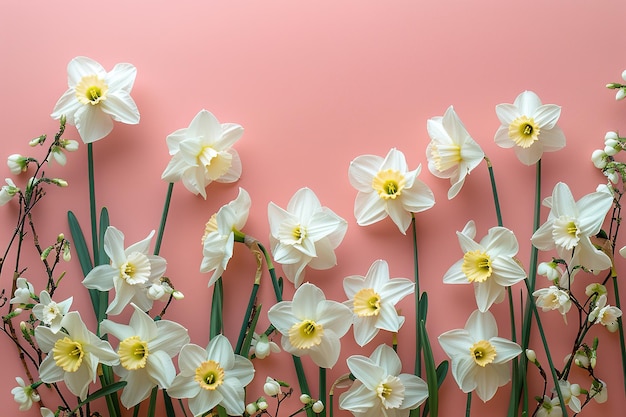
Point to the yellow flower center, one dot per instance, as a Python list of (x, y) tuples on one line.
[(389, 184), (209, 375), (215, 163), (298, 233), (565, 232), (68, 354), (524, 131), (136, 269), (483, 353), (476, 266), (366, 303), (210, 226), (133, 353), (306, 334), (390, 391), (91, 90), (446, 156)]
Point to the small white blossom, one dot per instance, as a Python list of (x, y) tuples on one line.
[(24, 394), (23, 292), (17, 163)]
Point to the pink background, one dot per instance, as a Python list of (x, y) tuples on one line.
[(316, 84)]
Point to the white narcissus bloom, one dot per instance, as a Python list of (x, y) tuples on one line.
[(529, 127), (479, 357), (490, 265), (7, 192), (570, 394), (261, 346), (221, 232), (23, 292), (95, 98), (605, 314), (131, 271), (212, 376), (571, 225), (202, 153), (550, 407), (306, 234), (386, 187), (380, 389), (451, 153), (146, 350), (553, 298), (311, 325), (17, 163), (73, 354), (51, 313), (24, 394), (373, 298)]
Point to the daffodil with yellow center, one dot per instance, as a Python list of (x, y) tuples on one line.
[(306, 334), (524, 131), (133, 353), (489, 265), (68, 354), (389, 184), (390, 391), (91, 90), (209, 375), (476, 266), (565, 232), (216, 163), (366, 303), (479, 357), (483, 353), (210, 227), (446, 156)]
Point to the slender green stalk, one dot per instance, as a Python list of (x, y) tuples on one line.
[(166, 208), (92, 204), (152, 402), (322, 390), (418, 318), (468, 404), (620, 327), (246, 319), (494, 190), (217, 321)]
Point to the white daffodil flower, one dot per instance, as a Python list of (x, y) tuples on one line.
[(380, 389), (131, 271), (373, 298), (605, 314), (553, 298), (24, 394), (571, 224), (490, 265), (73, 354), (146, 350), (451, 153), (386, 187), (202, 153), (7, 192), (479, 357), (51, 313), (570, 394), (220, 235), (306, 234), (261, 346), (23, 292), (212, 376), (95, 98), (311, 325), (529, 127)]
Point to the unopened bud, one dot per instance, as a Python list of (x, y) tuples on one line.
[(37, 141), (262, 404), (305, 398), (251, 408), (531, 355), (46, 252), (318, 407), (60, 182), (178, 295), (271, 387)]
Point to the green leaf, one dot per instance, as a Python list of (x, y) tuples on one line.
[(169, 407), (245, 347), (431, 373), (103, 258), (80, 245), (217, 322), (108, 390), (423, 305)]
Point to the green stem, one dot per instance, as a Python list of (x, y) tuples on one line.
[(494, 190), (322, 390), (246, 319), (166, 208), (468, 404), (418, 340), (92, 204), (620, 327)]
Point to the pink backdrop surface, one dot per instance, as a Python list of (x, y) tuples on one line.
[(315, 84)]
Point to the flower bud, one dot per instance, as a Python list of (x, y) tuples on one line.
[(611, 150), (612, 176), (69, 145), (262, 405), (611, 135), (271, 387), (318, 407), (178, 295), (595, 288), (37, 141), (155, 292), (305, 398), (251, 408), (17, 163), (531, 355), (575, 389), (7, 192), (60, 182), (598, 157), (612, 326)]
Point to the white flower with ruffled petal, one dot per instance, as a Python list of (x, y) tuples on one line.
[(50, 312), (490, 265), (605, 314), (529, 127), (146, 350), (202, 153), (306, 234), (380, 389), (24, 394), (23, 293), (130, 272), (479, 357), (212, 376), (386, 187), (311, 325), (73, 354), (451, 153), (221, 232), (96, 98), (373, 300), (571, 225)]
